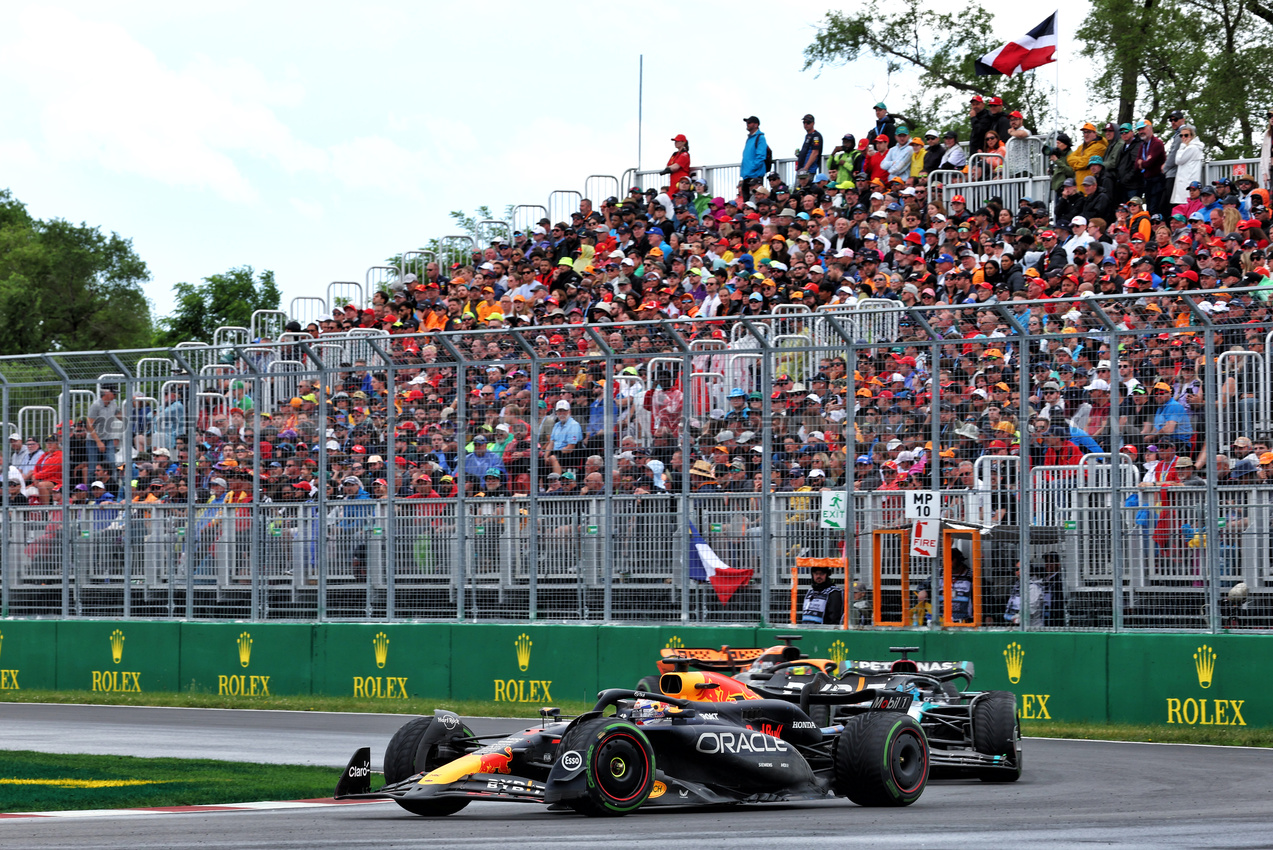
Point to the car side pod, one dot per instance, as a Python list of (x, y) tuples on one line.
[(356, 779)]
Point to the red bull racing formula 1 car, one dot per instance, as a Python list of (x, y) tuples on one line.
[(638, 749)]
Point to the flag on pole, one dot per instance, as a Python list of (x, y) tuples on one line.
[(1035, 48), (706, 565)]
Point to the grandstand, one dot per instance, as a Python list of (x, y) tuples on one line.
[(545, 419)]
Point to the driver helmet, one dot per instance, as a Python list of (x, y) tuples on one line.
[(645, 710)]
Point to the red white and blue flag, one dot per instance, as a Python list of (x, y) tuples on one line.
[(1035, 48), (706, 565)]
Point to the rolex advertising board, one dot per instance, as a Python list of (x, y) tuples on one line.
[(123, 656), (28, 655), (383, 662), (246, 659), (1189, 680), (530, 665), (1055, 676)]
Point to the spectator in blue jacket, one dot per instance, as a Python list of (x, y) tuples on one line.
[(755, 151)]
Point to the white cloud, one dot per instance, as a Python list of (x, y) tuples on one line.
[(312, 211)]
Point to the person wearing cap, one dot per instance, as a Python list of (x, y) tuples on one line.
[(1172, 144), (755, 159), (885, 125), (1171, 419), (1093, 145), (980, 120), (809, 156), (678, 164), (897, 162), (845, 162), (1150, 156), (481, 460), (1016, 143), (565, 438), (824, 600), (953, 156), (1127, 180)]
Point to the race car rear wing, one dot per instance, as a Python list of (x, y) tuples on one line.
[(937, 669), (724, 660)]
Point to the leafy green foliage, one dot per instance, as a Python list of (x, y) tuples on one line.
[(447, 250), (941, 48), (1206, 57), (53, 782), (219, 300), (66, 287)]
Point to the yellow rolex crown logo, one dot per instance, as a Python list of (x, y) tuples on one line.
[(381, 643), (1204, 660), (675, 643), (1015, 656), (245, 649), (523, 644), (117, 646), (838, 652)]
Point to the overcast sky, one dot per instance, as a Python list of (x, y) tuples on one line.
[(318, 139)]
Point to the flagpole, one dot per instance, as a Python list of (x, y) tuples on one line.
[(1056, 119)]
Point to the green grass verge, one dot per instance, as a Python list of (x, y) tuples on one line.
[(1240, 736), (39, 782), (418, 705), (1229, 735)]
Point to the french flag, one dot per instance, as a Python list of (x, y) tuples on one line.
[(1037, 47), (706, 565)]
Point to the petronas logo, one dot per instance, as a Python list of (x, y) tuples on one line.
[(1204, 661), (1015, 656), (117, 646), (381, 644), (245, 649), (523, 644), (838, 652), (675, 643)]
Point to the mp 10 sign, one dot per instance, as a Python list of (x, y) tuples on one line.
[(923, 504)]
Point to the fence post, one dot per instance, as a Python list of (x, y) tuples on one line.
[(7, 557)]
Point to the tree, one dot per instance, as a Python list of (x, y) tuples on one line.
[(941, 49), (449, 251), (227, 299), (66, 287), (1205, 57)]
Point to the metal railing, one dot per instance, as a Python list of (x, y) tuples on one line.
[(611, 541)]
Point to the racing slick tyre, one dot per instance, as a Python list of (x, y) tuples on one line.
[(995, 732), (881, 759), (400, 764), (650, 685), (619, 763)]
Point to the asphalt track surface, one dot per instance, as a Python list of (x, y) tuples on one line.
[(1073, 794)]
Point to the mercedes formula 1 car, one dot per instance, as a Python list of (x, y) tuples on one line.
[(657, 750), (968, 731)]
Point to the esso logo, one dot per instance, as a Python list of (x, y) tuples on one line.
[(449, 721), (571, 760)]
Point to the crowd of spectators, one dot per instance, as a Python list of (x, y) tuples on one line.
[(861, 223)]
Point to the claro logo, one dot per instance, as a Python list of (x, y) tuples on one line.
[(742, 742), (359, 771)]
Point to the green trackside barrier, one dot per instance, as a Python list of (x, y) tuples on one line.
[(246, 659), (627, 654), (390, 661), (127, 656), (1056, 676), (532, 665), (28, 655), (1191, 680), (1124, 678)]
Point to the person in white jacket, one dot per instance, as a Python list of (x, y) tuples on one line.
[(1188, 163)]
